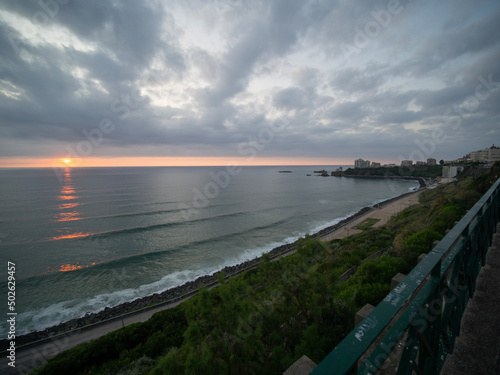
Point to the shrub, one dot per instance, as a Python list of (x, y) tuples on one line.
[(421, 242), (446, 217), (371, 282)]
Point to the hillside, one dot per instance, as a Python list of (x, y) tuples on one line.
[(426, 171)]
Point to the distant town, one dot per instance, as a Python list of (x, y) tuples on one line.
[(427, 172), (450, 168), (488, 155)]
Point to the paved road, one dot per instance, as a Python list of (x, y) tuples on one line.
[(34, 355)]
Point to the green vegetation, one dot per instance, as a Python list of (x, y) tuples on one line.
[(371, 282), (263, 320), (430, 171), (368, 223)]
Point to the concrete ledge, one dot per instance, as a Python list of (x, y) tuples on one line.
[(363, 313), (303, 366), (396, 280)]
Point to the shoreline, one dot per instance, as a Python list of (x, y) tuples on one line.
[(190, 288)]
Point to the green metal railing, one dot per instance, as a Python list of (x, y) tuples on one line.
[(414, 328)]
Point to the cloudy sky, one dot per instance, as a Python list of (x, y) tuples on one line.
[(256, 82)]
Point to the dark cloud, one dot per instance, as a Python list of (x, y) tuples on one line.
[(463, 39), (198, 78)]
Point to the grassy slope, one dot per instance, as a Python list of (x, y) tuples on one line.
[(265, 319)]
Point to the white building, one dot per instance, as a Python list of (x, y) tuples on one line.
[(360, 163), (488, 155), (493, 154), (479, 156), (451, 171)]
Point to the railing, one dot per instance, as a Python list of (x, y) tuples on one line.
[(414, 328)]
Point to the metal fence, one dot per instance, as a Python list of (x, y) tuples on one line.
[(414, 328)]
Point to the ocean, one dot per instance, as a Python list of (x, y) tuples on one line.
[(83, 239)]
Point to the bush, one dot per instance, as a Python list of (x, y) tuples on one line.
[(123, 346), (446, 217), (371, 282), (421, 242)]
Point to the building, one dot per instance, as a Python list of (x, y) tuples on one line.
[(451, 171), (407, 163), (420, 163), (375, 165), (431, 161), (479, 156), (488, 155), (493, 154), (360, 163)]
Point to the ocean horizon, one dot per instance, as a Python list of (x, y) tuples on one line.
[(84, 239)]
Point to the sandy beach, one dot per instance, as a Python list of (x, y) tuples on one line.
[(382, 213)]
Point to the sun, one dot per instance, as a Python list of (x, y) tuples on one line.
[(66, 161)]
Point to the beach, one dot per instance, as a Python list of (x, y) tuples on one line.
[(382, 213)]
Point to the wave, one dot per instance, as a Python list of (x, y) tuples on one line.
[(40, 319), (142, 229), (138, 258), (326, 224), (60, 312), (145, 213)]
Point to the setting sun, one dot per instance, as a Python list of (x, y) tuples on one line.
[(66, 161)]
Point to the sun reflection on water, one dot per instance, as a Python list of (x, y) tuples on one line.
[(65, 206), (71, 235), (69, 267), (67, 211), (68, 192), (67, 216), (73, 267)]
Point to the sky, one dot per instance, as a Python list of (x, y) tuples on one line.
[(188, 82)]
